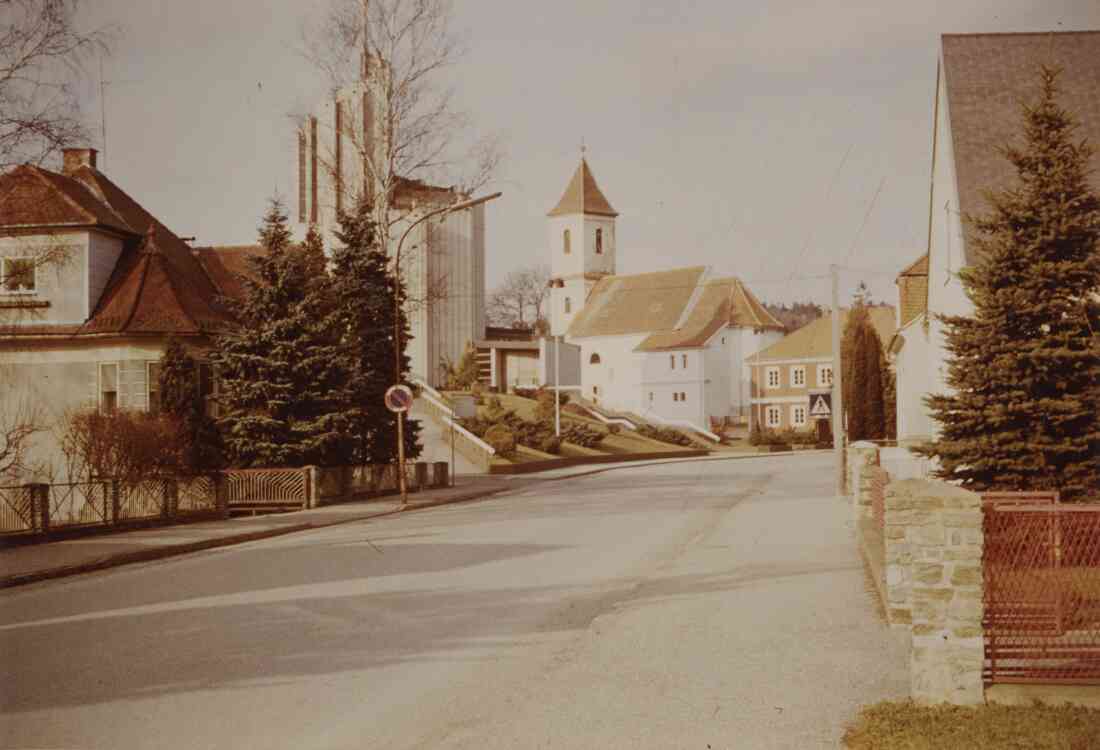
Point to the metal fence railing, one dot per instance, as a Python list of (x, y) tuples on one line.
[(1041, 576)]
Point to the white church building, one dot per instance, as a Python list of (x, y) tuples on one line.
[(669, 345)]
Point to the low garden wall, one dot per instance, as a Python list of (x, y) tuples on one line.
[(923, 542), (926, 545)]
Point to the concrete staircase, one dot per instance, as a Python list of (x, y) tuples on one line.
[(435, 440)]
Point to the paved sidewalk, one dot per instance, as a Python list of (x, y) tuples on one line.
[(29, 563)]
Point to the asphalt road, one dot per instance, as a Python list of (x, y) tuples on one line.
[(715, 604)]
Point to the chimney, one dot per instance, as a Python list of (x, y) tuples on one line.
[(75, 158)]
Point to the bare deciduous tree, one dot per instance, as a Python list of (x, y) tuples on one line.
[(20, 420), (386, 61), (519, 300), (41, 51)]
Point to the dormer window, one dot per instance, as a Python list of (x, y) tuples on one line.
[(599, 242), (565, 242), (18, 276), (594, 359)]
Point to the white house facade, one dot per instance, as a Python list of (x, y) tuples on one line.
[(980, 81)]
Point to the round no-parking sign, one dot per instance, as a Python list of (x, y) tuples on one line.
[(399, 398)]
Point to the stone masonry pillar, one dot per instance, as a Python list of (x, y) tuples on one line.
[(860, 454), (944, 535)]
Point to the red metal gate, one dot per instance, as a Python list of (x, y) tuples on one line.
[(1041, 569)]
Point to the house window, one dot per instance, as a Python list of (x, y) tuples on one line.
[(684, 360), (594, 359), (17, 276), (599, 242), (771, 416), (798, 416), (152, 376), (672, 361), (108, 387), (651, 397), (798, 376), (772, 375), (683, 396), (568, 305), (723, 339), (824, 375), (675, 396), (565, 244)]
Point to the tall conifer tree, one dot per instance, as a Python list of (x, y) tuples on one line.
[(280, 372), (1024, 410), (863, 385), (363, 290)]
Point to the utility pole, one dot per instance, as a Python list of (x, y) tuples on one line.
[(838, 398)]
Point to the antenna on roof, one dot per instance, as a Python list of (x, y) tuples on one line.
[(102, 113), (583, 147), (364, 63)]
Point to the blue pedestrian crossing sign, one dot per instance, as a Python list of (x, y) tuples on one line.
[(821, 404)]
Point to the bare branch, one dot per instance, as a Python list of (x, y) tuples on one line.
[(41, 57)]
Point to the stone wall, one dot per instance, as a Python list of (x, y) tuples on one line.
[(934, 578), (859, 456)]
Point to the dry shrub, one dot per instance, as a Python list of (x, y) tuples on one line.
[(129, 446)]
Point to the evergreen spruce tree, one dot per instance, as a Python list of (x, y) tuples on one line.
[(1024, 411), (181, 397), (363, 290), (280, 372)]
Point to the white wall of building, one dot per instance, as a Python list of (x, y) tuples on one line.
[(946, 295), (914, 423), (615, 382), (61, 281), (677, 382)]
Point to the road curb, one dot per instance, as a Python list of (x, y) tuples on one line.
[(176, 550)]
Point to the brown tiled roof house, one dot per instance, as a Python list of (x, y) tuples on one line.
[(92, 287)]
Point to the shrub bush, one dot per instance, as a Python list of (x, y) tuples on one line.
[(582, 435), (613, 429), (531, 393), (501, 439), (667, 435), (551, 445), (129, 446)]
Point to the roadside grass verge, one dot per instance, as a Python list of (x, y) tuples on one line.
[(904, 725)]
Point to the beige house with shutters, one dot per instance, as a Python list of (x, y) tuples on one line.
[(788, 375), (92, 287)]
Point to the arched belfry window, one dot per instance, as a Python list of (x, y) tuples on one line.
[(565, 242), (594, 359), (599, 241)]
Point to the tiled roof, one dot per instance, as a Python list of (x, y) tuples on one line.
[(583, 196), (815, 340), (643, 303), (913, 290), (157, 286), (987, 76), (34, 197), (228, 265), (721, 303)]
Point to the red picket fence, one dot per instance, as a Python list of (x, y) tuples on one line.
[(1041, 570)]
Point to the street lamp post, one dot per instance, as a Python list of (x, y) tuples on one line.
[(397, 324)]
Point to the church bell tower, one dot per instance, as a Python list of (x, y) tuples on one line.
[(581, 231)]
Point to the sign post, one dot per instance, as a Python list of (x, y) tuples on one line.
[(399, 399)]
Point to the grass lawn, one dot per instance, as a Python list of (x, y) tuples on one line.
[(626, 441), (905, 726)]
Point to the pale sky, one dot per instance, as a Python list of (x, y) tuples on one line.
[(715, 128)]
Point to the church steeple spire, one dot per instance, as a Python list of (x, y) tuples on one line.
[(583, 195)]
